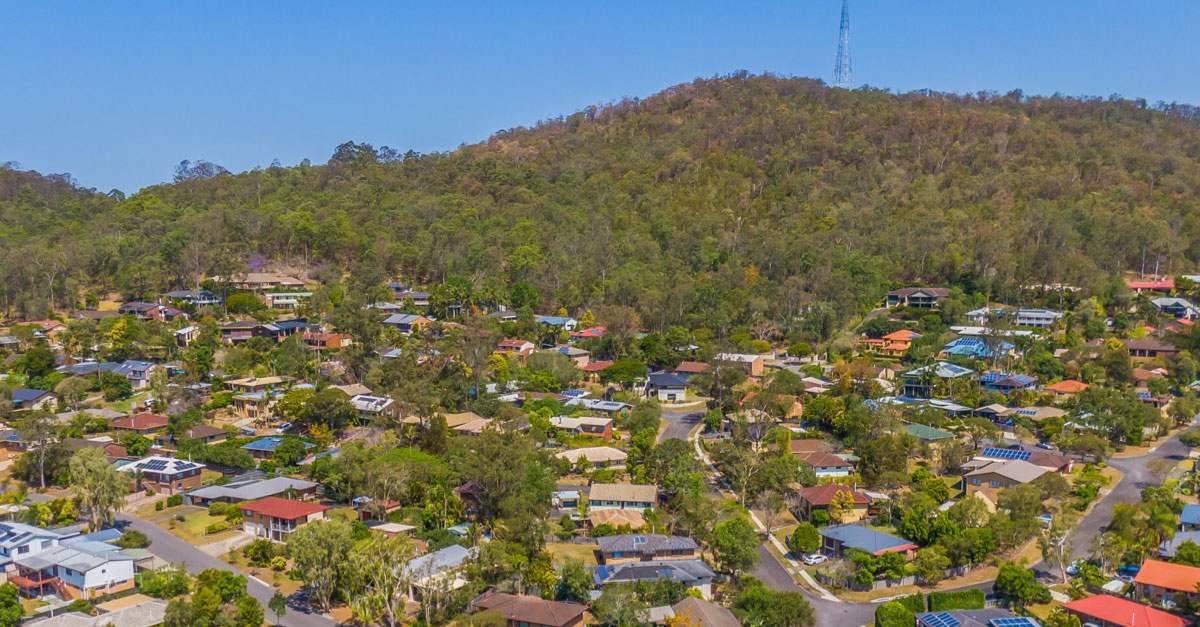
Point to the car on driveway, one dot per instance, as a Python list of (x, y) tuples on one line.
[(814, 559)]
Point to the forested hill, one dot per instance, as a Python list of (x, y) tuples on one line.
[(714, 203)]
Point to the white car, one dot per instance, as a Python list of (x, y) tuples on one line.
[(814, 559)]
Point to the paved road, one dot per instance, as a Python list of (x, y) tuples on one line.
[(1128, 490), (174, 550), (680, 424)]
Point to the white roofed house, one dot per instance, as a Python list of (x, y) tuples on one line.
[(81, 569), (21, 540), (584, 425), (442, 568), (370, 407), (597, 456), (622, 496)]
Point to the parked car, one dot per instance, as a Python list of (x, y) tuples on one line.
[(283, 428), (814, 559), (1046, 445), (1073, 569)]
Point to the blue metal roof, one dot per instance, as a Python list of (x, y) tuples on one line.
[(1190, 515), (863, 538)]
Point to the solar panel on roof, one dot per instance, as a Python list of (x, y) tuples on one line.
[(1019, 621), (941, 619)]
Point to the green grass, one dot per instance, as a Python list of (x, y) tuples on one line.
[(125, 405), (196, 520), (560, 551)]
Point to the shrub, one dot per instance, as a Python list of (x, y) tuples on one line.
[(956, 600), (278, 563), (180, 518), (174, 500), (217, 508), (158, 507), (260, 552), (893, 614), (914, 602), (133, 539), (149, 491), (78, 605), (215, 528), (805, 538), (820, 518)]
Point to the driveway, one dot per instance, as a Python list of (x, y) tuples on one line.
[(172, 549), (680, 424)]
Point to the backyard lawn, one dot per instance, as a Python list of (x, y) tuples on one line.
[(191, 530), (582, 552)]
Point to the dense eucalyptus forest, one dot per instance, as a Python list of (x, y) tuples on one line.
[(716, 204)]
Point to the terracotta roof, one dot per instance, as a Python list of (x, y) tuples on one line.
[(820, 459), (1166, 284), (903, 335), (286, 509), (1168, 575), (691, 366), (703, 613), (141, 421), (629, 493), (1069, 386), (596, 366), (823, 494), (805, 446), (532, 610), (1125, 613)]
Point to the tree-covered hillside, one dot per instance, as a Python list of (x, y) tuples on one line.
[(716, 204)]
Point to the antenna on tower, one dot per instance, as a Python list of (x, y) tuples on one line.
[(843, 75)]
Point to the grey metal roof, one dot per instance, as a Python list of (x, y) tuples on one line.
[(690, 572), (645, 543), (251, 490)]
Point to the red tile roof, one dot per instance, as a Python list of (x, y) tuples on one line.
[(596, 366), (141, 422), (1168, 576), (286, 509), (691, 366), (1166, 284), (819, 459), (823, 494), (1124, 613), (1069, 386)]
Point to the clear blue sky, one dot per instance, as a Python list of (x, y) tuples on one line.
[(117, 95)]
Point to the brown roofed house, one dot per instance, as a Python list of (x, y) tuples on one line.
[(819, 497), (622, 496), (529, 611), (142, 424), (700, 613)]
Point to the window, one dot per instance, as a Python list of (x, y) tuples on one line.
[(994, 484), (976, 481), (23, 549)]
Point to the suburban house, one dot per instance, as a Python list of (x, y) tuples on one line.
[(254, 405), (752, 364), (256, 384), (151, 311), (996, 476), (264, 448), (1004, 382), (164, 475), (917, 297), (1158, 581), (198, 298), (1106, 610), (894, 344), (646, 547), (252, 488), (686, 369), (207, 434), (287, 301), (1151, 285), (819, 497), (473, 428), (836, 539), (185, 336), (145, 612), (1144, 348), (919, 383), (1189, 518), (597, 456), (1169, 548), (406, 323), (529, 611), (600, 405), (138, 372), (275, 519), (976, 347), (1035, 413), (523, 348), (700, 613), (20, 540), (325, 341), (577, 355), (115, 452), (565, 323), (667, 387), (441, 567), (974, 618), (1040, 318), (237, 332), (584, 425), (141, 424), (28, 398), (419, 299), (370, 408), (1066, 389), (617, 518), (565, 499), (258, 281), (1047, 460), (927, 433), (1177, 307), (622, 496), (587, 334), (693, 573), (79, 569), (790, 404), (825, 464)]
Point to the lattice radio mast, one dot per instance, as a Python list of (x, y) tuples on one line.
[(843, 75)]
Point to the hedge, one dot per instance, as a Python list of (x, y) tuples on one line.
[(914, 602), (893, 614), (958, 600)]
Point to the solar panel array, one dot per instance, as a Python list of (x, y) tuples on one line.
[(941, 619), (1019, 621), (155, 465), (1027, 412), (1007, 453)]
